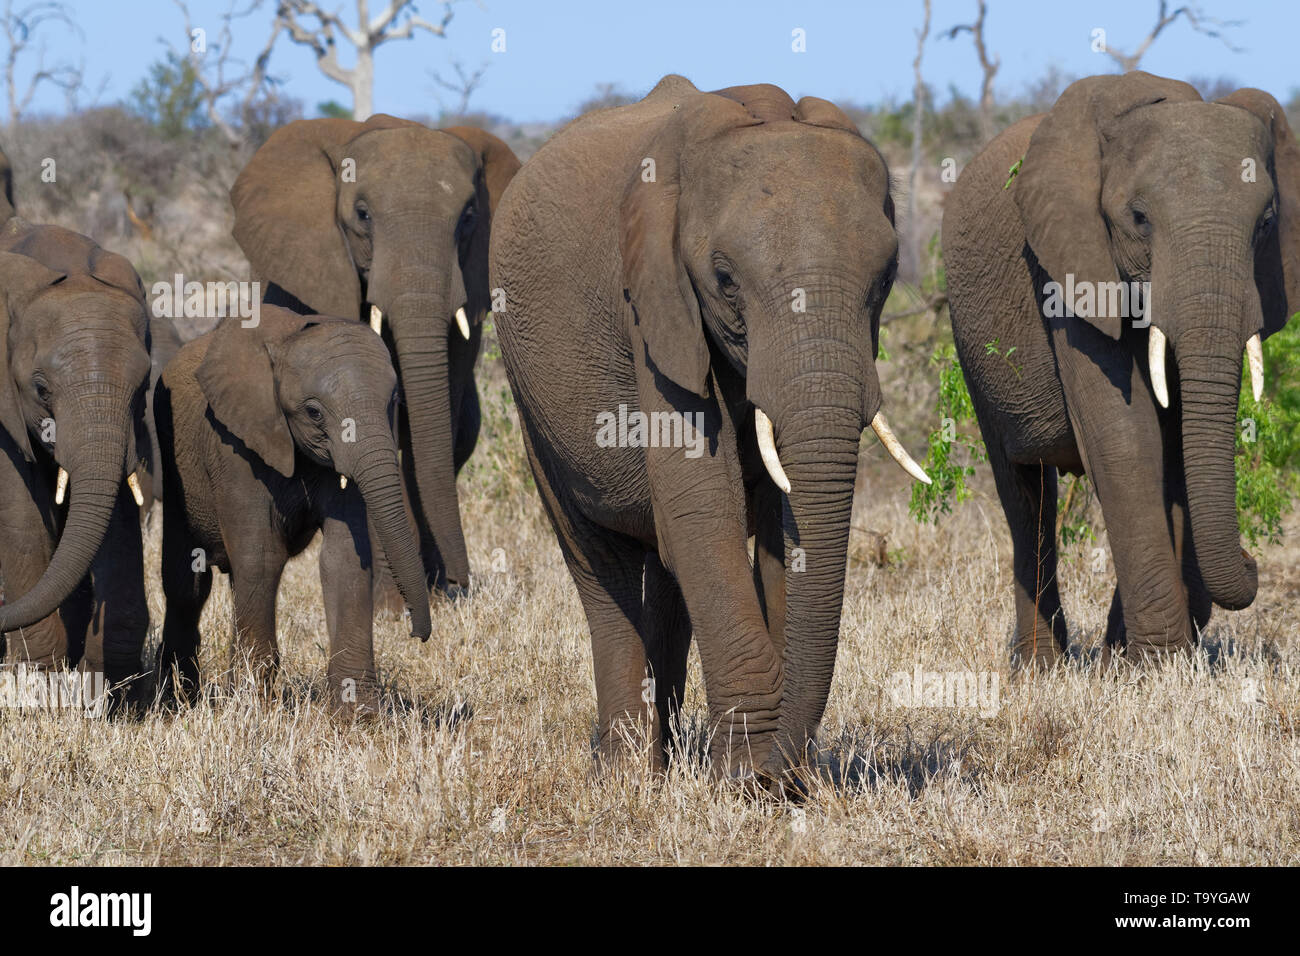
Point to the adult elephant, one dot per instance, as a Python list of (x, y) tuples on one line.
[(74, 363), (1128, 179), (716, 262), (388, 221)]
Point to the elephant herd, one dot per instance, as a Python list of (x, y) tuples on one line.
[(708, 270)]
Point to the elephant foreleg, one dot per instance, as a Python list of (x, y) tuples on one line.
[(255, 569), (666, 633), (120, 622)]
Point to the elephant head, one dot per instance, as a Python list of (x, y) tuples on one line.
[(323, 387), (1134, 178), (762, 240), (386, 221), (74, 364)]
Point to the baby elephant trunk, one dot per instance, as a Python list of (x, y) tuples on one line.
[(379, 480)]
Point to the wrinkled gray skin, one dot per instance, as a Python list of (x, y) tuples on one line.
[(73, 349), (1128, 177), (256, 426), (337, 216), (676, 296)]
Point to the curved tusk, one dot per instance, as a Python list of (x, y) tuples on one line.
[(133, 483), (1156, 359), (896, 449), (376, 319), (61, 487), (767, 450), (1255, 354), (462, 323), (343, 482)]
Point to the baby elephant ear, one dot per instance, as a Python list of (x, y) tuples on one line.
[(1058, 188), (1277, 260), (22, 278), (237, 379)]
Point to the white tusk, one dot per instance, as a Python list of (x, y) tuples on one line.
[(1156, 359), (1255, 354), (767, 449), (896, 449), (133, 483), (462, 323), (376, 319), (61, 487), (343, 482)]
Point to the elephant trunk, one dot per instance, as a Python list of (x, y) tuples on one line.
[(818, 439), (1206, 315), (96, 468), (379, 479), (1209, 368), (420, 330)]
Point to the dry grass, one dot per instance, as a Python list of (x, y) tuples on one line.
[(485, 755)]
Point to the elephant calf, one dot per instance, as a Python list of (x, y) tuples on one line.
[(269, 434)]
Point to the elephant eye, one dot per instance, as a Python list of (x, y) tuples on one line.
[(362, 212), (314, 412), (42, 388), (726, 282), (1141, 221)]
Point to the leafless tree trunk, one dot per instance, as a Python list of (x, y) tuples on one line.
[(1165, 17), (20, 28), (918, 116), (398, 21), (988, 66), (211, 70)]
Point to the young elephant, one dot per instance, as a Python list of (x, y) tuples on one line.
[(74, 363), (1129, 183), (714, 265), (269, 434)]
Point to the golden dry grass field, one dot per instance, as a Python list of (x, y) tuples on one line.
[(484, 753)]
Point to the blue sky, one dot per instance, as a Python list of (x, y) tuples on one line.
[(558, 50)]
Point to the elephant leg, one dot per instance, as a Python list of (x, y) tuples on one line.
[(769, 561), (187, 582), (26, 547), (666, 634), (345, 577), (1116, 636), (1114, 418), (255, 569), (120, 623), (1028, 497)]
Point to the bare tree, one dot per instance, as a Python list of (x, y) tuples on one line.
[(20, 28), (212, 66), (989, 67), (1165, 17), (398, 21), (463, 87), (918, 117)]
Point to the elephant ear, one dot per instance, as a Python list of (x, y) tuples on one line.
[(665, 310), (498, 160), (116, 271), (1058, 188), (22, 279), (1277, 261), (285, 220), (238, 380)]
